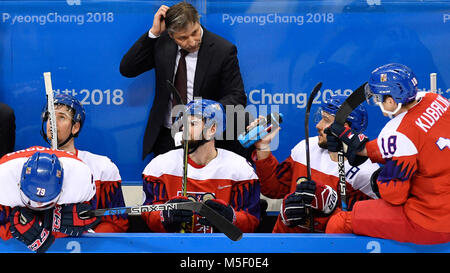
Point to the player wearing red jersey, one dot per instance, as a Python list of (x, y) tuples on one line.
[(279, 180), (414, 184), (222, 179), (70, 116), (43, 193)]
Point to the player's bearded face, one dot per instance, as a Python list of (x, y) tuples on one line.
[(326, 121), (196, 134)]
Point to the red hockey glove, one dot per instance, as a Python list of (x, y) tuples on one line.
[(32, 228), (67, 219)]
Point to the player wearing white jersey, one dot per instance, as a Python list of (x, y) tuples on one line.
[(70, 116), (281, 180), (222, 179), (43, 192)]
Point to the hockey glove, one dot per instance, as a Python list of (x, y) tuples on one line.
[(333, 142), (293, 210), (172, 219), (321, 198), (32, 228), (306, 189), (68, 220), (220, 207), (355, 142)]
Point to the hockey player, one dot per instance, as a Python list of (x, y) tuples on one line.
[(222, 179), (414, 148), (70, 116), (43, 193), (285, 180)]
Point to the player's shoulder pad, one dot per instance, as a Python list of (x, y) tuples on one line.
[(394, 143), (241, 168), (78, 183), (299, 151), (167, 163), (103, 169)]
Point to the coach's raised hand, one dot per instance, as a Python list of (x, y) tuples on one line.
[(159, 25)]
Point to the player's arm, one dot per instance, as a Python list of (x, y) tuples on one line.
[(5, 211), (69, 220), (244, 199), (155, 193), (275, 177), (400, 155), (110, 195)]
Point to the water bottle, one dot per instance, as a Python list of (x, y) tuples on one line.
[(260, 130)]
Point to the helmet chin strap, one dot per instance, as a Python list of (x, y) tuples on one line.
[(44, 136), (390, 114)]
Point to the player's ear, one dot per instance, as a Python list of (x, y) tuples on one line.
[(389, 100), (211, 132), (76, 128)]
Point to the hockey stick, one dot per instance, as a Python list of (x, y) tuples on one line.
[(433, 82), (313, 94), (175, 92), (220, 222), (51, 109), (354, 100)]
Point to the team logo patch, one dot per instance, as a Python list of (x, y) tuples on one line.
[(361, 137), (383, 77)]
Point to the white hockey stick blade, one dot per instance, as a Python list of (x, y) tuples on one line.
[(51, 109), (433, 82)]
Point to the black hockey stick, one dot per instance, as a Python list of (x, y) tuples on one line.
[(313, 94), (220, 222), (354, 100)]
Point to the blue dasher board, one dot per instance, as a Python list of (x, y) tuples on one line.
[(219, 243)]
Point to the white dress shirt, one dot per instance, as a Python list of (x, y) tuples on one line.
[(191, 64)]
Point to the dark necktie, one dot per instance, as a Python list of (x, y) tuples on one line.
[(181, 79)]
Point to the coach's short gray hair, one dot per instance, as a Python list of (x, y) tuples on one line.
[(179, 16)]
